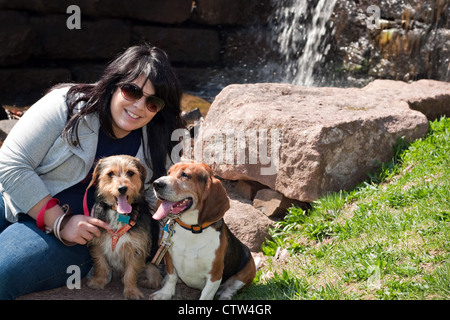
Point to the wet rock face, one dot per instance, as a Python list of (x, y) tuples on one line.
[(352, 42), (409, 40)]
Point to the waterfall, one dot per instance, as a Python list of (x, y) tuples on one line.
[(298, 26)]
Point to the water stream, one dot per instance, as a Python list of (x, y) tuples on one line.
[(299, 27), (336, 43)]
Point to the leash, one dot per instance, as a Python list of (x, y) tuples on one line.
[(85, 205), (165, 242)]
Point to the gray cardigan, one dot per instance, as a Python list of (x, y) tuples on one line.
[(36, 161)]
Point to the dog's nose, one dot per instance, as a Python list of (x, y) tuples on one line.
[(158, 185), (122, 189)]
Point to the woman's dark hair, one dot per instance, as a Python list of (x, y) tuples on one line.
[(137, 60)]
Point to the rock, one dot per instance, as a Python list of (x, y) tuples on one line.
[(87, 72), (281, 254), (101, 39), (5, 128), (410, 41), (190, 102), (15, 91), (247, 189), (237, 51), (430, 97), (16, 38), (306, 142), (192, 115), (161, 11), (231, 12), (186, 45), (3, 114), (248, 224), (272, 203), (23, 87)]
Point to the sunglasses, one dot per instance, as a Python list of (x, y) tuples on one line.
[(132, 92)]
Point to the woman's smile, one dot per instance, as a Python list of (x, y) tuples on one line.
[(132, 115)]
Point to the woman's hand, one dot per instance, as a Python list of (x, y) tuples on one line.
[(80, 229)]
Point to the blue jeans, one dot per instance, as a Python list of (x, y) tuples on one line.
[(31, 260)]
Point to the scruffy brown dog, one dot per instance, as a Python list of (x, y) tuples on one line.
[(127, 245)]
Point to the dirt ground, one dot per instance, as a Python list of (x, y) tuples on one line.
[(112, 291)]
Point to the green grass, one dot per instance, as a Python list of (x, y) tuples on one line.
[(386, 239)]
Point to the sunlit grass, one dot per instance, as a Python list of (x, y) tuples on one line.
[(386, 239)]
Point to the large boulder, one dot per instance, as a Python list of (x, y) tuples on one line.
[(306, 142), (248, 224)]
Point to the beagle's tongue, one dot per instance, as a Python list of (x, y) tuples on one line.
[(123, 206), (167, 207), (163, 210)]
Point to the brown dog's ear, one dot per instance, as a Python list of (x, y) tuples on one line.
[(214, 201), (142, 172), (95, 174)]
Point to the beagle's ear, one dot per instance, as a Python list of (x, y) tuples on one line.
[(214, 201)]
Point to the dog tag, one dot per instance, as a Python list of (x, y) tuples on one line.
[(168, 231), (124, 219)]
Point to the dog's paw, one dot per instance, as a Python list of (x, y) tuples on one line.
[(160, 295), (97, 283), (132, 294), (225, 296)]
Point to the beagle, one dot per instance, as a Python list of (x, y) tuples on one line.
[(203, 253)]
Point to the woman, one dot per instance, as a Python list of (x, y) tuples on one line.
[(52, 150)]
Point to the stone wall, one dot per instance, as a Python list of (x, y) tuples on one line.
[(37, 49), (214, 43)]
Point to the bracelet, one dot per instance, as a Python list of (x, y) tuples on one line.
[(57, 225), (40, 222)]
